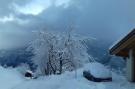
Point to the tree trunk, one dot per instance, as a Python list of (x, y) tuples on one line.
[(61, 66)]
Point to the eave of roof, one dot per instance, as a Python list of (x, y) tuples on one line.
[(123, 44)]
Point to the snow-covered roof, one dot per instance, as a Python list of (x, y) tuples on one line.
[(121, 48)]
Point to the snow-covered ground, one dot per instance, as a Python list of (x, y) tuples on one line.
[(11, 79)]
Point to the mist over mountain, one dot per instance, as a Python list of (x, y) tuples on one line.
[(15, 57), (99, 52)]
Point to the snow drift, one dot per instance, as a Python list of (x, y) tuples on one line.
[(9, 78), (98, 70)]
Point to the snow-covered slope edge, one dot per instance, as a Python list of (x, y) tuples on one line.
[(9, 78)]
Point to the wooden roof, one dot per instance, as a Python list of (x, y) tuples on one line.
[(123, 46)]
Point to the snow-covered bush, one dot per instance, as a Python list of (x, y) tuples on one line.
[(58, 52), (98, 70)]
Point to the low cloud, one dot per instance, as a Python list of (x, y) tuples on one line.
[(105, 20)]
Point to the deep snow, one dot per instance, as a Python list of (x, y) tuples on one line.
[(98, 70), (11, 79), (68, 81)]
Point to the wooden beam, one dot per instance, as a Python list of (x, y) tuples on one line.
[(124, 45), (123, 54)]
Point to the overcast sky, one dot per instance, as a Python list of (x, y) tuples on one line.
[(102, 19)]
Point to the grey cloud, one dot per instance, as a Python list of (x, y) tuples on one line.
[(104, 19), (107, 19), (6, 6)]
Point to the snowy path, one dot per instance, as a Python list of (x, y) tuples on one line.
[(18, 85)]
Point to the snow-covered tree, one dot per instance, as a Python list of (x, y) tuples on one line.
[(58, 52)]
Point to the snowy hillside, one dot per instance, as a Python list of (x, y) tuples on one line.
[(11, 79)]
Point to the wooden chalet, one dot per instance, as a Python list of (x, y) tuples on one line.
[(126, 48)]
